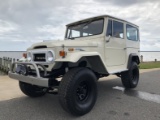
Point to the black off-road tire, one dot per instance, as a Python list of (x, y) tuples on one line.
[(31, 90), (130, 78), (78, 91)]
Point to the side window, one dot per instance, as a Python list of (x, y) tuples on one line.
[(109, 28), (132, 33), (118, 29), (75, 33)]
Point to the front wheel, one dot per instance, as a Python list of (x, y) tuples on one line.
[(31, 90), (130, 78), (78, 91)]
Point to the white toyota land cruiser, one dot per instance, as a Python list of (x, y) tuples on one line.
[(93, 48)]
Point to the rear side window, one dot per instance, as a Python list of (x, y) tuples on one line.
[(118, 29), (132, 33)]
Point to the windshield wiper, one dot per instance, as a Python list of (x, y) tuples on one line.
[(71, 38)]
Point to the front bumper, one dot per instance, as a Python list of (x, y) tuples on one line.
[(38, 80)]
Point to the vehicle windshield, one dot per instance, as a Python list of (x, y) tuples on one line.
[(88, 28)]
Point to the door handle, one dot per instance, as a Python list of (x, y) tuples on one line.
[(109, 37)]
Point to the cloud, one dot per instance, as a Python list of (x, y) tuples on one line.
[(54, 32), (33, 21), (126, 3), (6, 27)]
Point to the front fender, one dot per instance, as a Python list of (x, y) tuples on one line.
[(75, 56), (94, 59)]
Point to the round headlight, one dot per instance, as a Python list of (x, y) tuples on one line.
[(50, 56), (29, 56)]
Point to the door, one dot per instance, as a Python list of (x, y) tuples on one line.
[(115, 52)]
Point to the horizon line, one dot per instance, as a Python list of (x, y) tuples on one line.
[(25, 51)]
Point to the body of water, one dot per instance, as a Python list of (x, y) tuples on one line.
[(12, 54), (147, 56), (150, 56)]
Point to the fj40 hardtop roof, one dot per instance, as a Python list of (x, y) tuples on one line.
[(100, 16)]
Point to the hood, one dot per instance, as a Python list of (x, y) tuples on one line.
[(67, 43)]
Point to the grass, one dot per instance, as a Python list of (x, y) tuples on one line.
[(149, 65)]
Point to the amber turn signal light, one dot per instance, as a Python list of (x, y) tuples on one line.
[(62, 53)]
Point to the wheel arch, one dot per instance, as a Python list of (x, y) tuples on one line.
[(96, 64), (94, 60), (133, 57)]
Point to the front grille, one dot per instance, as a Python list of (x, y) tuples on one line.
[(39, 57)]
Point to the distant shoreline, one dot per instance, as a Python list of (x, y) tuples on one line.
[(149, 51), (25, 51), (12, 51)]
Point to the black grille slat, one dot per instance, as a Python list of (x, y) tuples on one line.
[(38, 47), (40, 57)]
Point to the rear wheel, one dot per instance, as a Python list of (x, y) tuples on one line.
[(130, 78), (31, 90), (78, 91)]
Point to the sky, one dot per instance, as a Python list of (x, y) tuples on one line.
[(24, 22)]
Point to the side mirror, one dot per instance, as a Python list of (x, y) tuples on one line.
[(108, 39)]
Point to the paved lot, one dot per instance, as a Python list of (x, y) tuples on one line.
[(113, 103)]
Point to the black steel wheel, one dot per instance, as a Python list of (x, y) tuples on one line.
[(130, 78), (83, 91), (32, 90), (78, 91)]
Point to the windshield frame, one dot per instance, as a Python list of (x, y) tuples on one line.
[(85, 22)]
